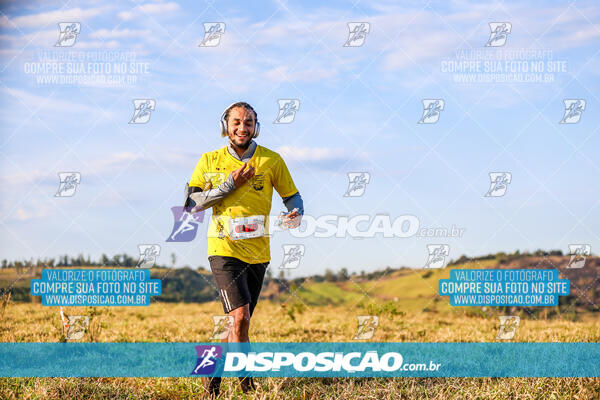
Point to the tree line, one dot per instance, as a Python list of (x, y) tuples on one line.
[(127, 261), (123, 260)]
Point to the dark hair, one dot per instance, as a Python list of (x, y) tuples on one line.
[(240, 104)]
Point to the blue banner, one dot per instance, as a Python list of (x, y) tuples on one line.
[(96, 287), (504, 287), (300, 359)]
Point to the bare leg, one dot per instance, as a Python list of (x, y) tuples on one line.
[(241, 324), (212, 384), (239, 334)]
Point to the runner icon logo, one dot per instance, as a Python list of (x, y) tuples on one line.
[(366, 326), (222, 326), (75, 326), (499, 32), (357, 183), (357, 34), (508, 327), (432, 108), (142, 110), (292, 254), (573, 110), (498, 184), (579, 253), (68, 34), (207, 359), (68, 183), (438, 254), (287, 110), (212, 34), (148, 255), (185, 225)]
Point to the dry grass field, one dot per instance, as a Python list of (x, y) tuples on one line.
[(405, 301), (178, 322)]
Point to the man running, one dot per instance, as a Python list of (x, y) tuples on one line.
[(237, 181), (207, 359)]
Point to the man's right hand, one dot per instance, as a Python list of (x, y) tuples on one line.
[(241, 175)]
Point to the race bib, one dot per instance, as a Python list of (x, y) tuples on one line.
[(246, 227)]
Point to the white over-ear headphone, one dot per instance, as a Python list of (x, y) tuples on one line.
[(224, 132)]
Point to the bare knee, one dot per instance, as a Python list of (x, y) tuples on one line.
[(241, 323)]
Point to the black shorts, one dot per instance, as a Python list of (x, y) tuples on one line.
[(239, 283)]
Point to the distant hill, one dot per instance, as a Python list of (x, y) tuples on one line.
[(405, 287), (178, 284), (410, 288)]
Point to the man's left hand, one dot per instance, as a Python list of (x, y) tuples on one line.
[(292, 220)]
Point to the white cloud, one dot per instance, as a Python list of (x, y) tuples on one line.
[(405, 37), (50, 17), (580, 36), (120, 33), (37, 175), (33, 211), (414, 51), (171, 105), (148, 9), (40, 38), (97, 44), (101, 166), (283, 74), (47, 38), (304, 154), (51, 105), (112, 162)]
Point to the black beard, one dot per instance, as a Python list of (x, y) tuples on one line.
[(243, 147)]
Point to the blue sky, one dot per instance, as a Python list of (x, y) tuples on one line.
[(359, 108)]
